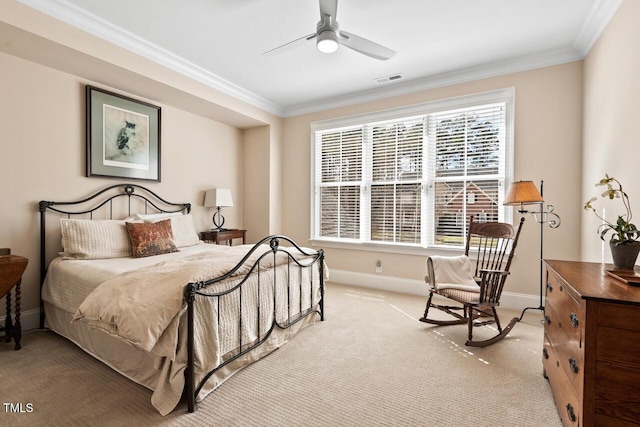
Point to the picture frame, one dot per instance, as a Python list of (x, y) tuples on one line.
[(123, 136)]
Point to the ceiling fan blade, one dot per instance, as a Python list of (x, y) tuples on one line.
[(328, 7), (290, 44), (366, 47)]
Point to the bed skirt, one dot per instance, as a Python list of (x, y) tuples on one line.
[(150, 370)]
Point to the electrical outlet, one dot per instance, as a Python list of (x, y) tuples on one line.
[(378, 266)]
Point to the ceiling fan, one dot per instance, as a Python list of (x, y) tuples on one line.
[(329, 36)]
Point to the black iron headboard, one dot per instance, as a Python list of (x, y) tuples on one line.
[(104, 197)]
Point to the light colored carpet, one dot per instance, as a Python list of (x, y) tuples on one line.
[(369, 363)]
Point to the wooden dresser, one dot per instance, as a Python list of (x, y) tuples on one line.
[(591, 354)]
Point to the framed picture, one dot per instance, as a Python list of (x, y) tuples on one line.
[(123, 136)]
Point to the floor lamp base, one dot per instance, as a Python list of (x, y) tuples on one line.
[(541, 308)]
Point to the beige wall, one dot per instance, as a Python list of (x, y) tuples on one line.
[(276, 143), (256, 189), (43, 157), (611, 115), (548, 120)]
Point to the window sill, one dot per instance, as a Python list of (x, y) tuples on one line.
[(394, 248)]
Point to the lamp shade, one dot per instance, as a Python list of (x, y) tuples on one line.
[(522, 193), (218, 197)]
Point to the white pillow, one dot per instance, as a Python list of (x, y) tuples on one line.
[(94, 239), (156, 216), (184, 230)]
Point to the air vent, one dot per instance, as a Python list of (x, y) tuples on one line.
[(390, 78)]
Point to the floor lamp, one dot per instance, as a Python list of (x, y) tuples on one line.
[(525, 193)]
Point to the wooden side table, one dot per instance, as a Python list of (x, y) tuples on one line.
[(11, 269), (218, 236)]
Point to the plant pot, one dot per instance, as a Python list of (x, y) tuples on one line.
[(624, 254)]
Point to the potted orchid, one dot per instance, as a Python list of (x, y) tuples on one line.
[(624, 242)]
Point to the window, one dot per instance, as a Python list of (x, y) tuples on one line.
[(413, 176)]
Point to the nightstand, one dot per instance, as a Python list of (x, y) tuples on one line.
[(11, 269), (223, 235)]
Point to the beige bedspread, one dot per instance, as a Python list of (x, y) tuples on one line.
[(140, 306), (146, 308)]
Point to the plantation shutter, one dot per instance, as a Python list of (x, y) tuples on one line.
[(468, 171)]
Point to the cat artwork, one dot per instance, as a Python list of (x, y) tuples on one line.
[(127, 132), (126, 138)]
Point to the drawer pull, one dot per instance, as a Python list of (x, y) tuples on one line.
[(574, 365), (549, 287), (548, 319), (571, 413), (574, 320), (545, 353)]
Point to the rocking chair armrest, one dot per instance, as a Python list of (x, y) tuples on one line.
[(488, 280)]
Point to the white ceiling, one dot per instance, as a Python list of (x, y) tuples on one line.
[(438, 42)]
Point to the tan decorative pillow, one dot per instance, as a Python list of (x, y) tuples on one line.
[(94, 239), (151, 238)]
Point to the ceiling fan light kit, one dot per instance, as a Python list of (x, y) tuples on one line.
[(327, 42), (329, 37)]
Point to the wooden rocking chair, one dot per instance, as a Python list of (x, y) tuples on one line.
[(477, 292)]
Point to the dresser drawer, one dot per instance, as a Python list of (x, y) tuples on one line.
[(569, 313), (569, 354), (568, 405)]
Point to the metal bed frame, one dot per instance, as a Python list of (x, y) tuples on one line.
[(196, 290)]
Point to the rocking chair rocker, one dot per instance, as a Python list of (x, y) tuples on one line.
[(478, 292)]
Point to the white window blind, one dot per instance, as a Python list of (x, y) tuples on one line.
[(397, 164), (413, 180), (467, 153), (340, 156)]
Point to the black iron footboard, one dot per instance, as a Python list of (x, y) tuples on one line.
[(312, 260)]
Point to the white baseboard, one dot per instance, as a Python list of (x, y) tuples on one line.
[(28, 319), (509, 300)]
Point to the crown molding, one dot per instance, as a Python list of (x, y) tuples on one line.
[(596, 21), (514, 65), (80, 18)]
